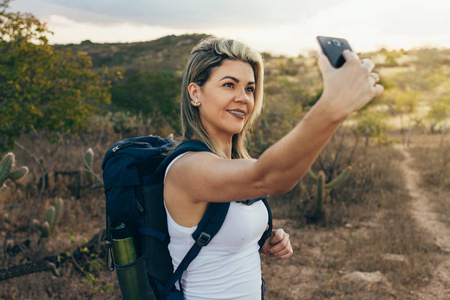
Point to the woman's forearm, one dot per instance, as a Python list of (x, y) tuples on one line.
[(284, 163)]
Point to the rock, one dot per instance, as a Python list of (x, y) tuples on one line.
[(366, 280), (394, 257)]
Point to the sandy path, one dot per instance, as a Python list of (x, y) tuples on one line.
[(424, 212)]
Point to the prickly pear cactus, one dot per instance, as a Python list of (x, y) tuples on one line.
[(324, 188), (7, 171)]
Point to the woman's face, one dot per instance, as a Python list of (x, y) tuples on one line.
[(226, 99)]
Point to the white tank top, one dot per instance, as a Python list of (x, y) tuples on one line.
[(229, 267)]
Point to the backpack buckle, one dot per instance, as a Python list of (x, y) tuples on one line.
[(203, 239)]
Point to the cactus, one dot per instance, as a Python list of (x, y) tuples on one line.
[(89, 165), (56, 217), (261, 143), (324, 188), (52, 217), (44, 228), (6, 167)]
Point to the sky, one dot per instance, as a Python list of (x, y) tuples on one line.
[(287, 27)]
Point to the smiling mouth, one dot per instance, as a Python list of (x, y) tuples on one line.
[(237, 113)]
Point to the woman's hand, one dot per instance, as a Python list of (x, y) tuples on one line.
[(278, 245), (350, 87)]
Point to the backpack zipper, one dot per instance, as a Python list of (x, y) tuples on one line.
[(128, 144)]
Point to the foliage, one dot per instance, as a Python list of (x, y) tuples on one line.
[(401, 101), (40, 87), (419, 77), (371, 123), (154, 95), (439, 111), (391, 58)]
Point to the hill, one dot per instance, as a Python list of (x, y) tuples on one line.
[(166, 53)]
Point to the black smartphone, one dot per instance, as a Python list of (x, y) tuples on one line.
[(333, 47)]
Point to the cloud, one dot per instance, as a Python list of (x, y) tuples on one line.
[(191, 14), (282, 27), (67, 31)]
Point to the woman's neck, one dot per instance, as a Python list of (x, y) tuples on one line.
[(224, 144)]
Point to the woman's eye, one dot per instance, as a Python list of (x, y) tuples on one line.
[(251, 89), (228, 84)]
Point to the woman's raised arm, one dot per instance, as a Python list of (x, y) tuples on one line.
[(204, 177)]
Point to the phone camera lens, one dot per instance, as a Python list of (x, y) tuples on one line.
[(336, 43)]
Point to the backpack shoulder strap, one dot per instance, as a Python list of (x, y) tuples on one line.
[(268, 232), (208, 227)]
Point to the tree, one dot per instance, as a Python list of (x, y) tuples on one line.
[(439, 111), (401, 102), (41, 87), (153, 95), (371, 123)]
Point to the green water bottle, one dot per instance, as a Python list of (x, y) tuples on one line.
[(129, 264)]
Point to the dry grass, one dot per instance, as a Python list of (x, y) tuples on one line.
[(366, 219)]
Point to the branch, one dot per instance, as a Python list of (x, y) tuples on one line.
[(51, 263)]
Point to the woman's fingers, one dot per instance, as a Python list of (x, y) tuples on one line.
[(368, 65), (378, 89), (277, 236), (324, 64), (281, 247), (352, 86), (375, 78), (283, 253), (350, 56)]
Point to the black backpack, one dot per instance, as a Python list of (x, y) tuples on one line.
[(133, 174)]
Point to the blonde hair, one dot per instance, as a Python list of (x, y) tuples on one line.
[(206, 55)]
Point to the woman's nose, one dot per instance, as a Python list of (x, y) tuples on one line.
[(242, 96)]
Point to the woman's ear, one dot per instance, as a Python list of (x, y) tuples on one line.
[(193, 90)]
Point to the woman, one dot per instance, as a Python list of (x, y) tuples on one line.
[(222, 94)]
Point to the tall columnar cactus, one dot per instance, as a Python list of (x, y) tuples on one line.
[(52, 217), (89, 165), (324, 188), (6, 169)]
